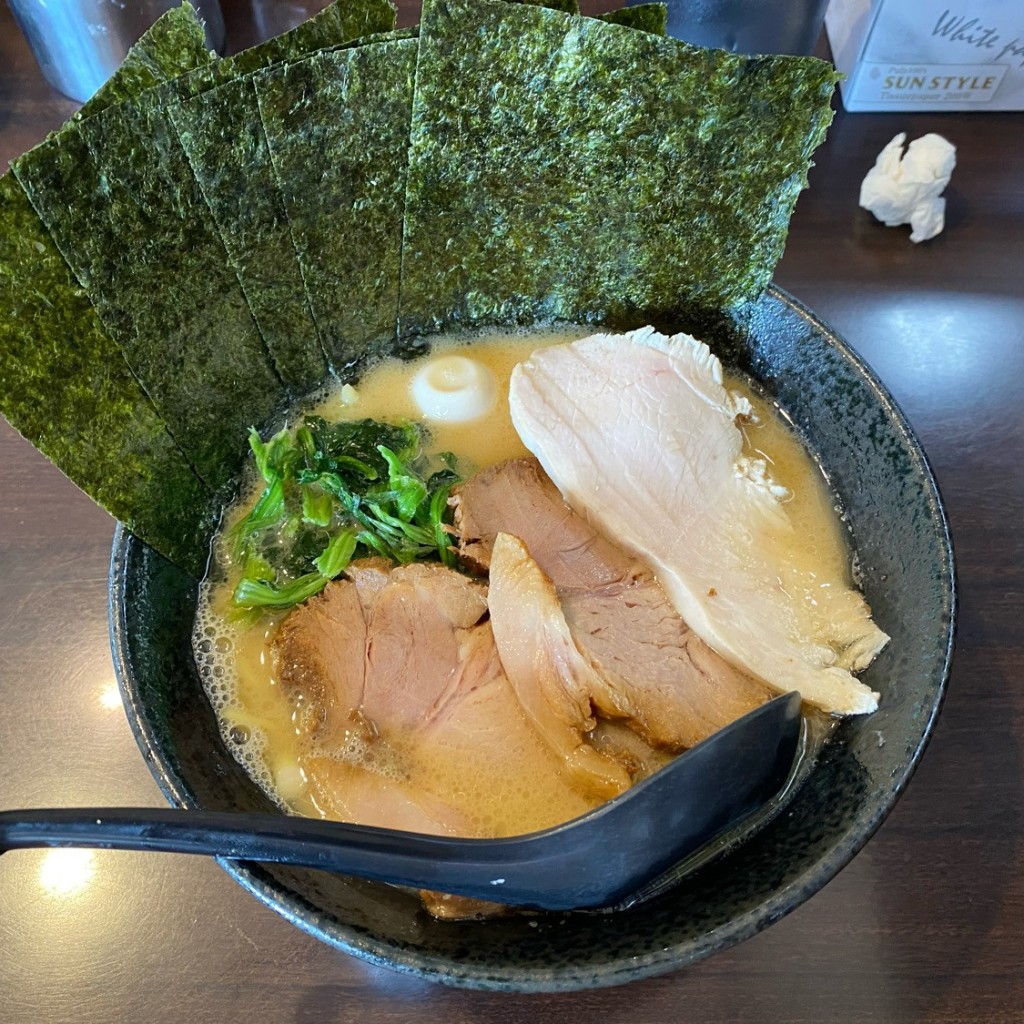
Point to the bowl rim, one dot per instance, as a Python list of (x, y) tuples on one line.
[(517, 978)]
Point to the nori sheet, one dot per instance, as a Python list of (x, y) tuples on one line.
[(567, 168), (339, 23), (222, 135), (174, 45), (65, 386), (64, 383), (565, 6), (338, 129), (123, 207), (643, 17)]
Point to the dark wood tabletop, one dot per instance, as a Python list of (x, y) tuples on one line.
[(926, 924)]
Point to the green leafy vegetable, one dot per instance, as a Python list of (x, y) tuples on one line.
[(338, 553), (261, 593), (317, 509), (330, 490)]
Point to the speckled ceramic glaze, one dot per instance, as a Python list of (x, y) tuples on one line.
[(879, 471)]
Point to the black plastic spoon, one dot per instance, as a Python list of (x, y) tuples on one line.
[(595, 860)]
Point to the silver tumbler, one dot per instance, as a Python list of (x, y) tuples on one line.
[(748, 26), (80, 43)]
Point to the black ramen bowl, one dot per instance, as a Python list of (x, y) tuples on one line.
[(880, 474)]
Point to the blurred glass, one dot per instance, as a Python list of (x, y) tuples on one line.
[(272, 17), (747, 26), (79, 44)]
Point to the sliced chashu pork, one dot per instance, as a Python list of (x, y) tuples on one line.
[(421, 720), (553, 681), (682, 496), (359, 629), (515, 497), (657, 673), (650, 670)]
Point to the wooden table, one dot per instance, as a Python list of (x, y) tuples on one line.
[(926, 924)]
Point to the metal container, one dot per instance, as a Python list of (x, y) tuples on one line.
[(79, 44), (748, 26)]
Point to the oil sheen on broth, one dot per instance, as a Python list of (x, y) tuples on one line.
[(265, 727)]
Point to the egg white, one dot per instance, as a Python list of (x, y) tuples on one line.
[(454, 389)]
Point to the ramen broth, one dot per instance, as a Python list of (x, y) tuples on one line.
[(268, 729)]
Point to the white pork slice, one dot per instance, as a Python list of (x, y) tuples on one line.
[(641, 436)]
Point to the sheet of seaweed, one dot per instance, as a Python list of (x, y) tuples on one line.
[(65, 386), (345, 212), (236, 111), (340, 22), (64, 383), (235, 114), (174, 45), (120, 201), (567, 168), (223, 137)]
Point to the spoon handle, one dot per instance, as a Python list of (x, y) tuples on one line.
[(402, 858), (594, 860)]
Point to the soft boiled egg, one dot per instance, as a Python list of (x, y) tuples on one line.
[(454, 389)]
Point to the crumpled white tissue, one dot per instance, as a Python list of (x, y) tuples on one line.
[(904, 189)]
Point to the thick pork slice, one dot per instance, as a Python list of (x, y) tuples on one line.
[(417, 725), (682, 496), (650, 670), (657, 672), (515, 497), (552, 680), (483, 749), (414, 644), (321, 649), (353, 650)]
